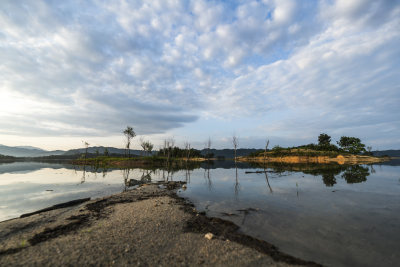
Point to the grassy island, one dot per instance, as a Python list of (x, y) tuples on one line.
[(299, 155), (350, 150), (137, 162)]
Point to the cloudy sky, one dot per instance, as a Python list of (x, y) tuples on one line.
[(277, 69)]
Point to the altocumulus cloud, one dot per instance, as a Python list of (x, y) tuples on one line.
[(89, 68)]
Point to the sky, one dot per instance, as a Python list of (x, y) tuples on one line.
[(73, 71)]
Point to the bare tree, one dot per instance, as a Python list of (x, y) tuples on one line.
[(149, 147), (208, 147), (265, 153), (235, 142), (168, 146), (265, 166), (143, 145), (129, 134), (187, 150), (172, 142), (84, 166), (86, 149), (165, 147)]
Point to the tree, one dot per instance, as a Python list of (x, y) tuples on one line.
[(143, 145), (106, 152), (265, 153), (208, 147), (129, 134), (352, 145), (235, 142), (324, 139), (168, 146), (86, 149), (187, 150), (355, 174), (149, 147)]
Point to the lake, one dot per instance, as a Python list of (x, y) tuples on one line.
[(332, 214)]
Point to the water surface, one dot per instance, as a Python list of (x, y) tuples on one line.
[(335, 215)]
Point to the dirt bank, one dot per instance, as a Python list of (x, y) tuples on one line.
[(146, 226), (340, 159)]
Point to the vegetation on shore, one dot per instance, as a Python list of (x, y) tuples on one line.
[(350, 150), (6, 157), (346, 146), (148, 162)]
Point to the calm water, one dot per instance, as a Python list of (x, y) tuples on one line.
[(335, 215)]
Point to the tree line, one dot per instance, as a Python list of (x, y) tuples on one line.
[(346, 144)]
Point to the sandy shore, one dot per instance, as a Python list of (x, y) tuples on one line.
[(143, 227)]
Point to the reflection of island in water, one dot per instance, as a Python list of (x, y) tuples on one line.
[(329, 172)]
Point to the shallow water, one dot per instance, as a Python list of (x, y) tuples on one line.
[(334, 215)]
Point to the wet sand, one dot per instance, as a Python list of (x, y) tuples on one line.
[(146, 226)]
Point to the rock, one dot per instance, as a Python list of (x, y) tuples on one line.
[(209, 236)]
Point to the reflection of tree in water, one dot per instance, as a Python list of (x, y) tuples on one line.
[(207, 176), (329, 172), (125, 175), (329, 179), (83, 178), (129, 182), (355, 174), (372, 169), (352, 174), (187, 175), (146, 176), (237, 185), (105, 170)]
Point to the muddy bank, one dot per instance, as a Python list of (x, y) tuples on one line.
[(340, 159), (150, 225)]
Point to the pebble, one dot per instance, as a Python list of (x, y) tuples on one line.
[(209, 236)]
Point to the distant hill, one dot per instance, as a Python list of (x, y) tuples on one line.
[(101, 149), (229, 153), (27, 151), (390, 153)]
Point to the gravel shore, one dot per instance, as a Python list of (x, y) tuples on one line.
[(146, 226)]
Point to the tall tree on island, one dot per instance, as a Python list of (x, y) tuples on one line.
[(129, 134), (324, 139), (208, 147), (86, 149), (352, 145), (235, 143)]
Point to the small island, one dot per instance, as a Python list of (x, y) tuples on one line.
[(350, 150)]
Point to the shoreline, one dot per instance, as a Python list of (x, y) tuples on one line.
[(340, 159), (133, 227)]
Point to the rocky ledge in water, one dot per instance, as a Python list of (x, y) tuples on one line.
[(149, 225)]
